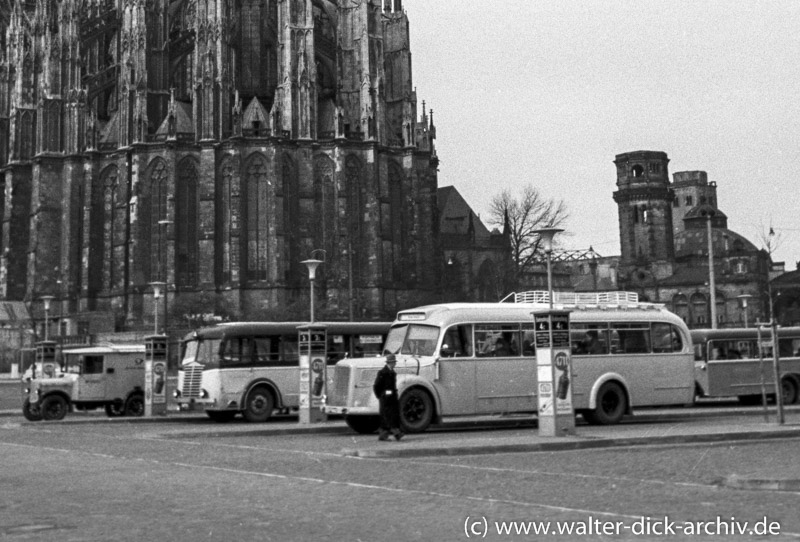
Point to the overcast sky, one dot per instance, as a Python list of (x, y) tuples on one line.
[(548, 92)]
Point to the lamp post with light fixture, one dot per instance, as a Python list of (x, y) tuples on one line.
[(744, 298), (546, 235), (46, 300), (157, 286), (312, 264), (709, 214)]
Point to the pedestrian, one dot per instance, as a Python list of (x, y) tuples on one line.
[(385, 389)]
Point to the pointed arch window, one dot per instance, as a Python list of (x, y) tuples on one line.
[(257, 224), (114, 230), (158, 214), (187, 225)]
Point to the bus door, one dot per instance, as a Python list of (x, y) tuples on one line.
[(92, 379), (505, 380), (456, 371)]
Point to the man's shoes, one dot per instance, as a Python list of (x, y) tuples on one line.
[(399, 435)]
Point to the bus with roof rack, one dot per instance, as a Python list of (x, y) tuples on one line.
[(469, 359)]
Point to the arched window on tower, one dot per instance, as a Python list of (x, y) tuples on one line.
[(187, 225), (114, 234), (257, 224), (158, 216)]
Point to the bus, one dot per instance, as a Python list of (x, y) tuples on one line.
[(465, 359), (252, 368), (731, 362)]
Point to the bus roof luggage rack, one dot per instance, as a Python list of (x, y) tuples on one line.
[(575, 298)]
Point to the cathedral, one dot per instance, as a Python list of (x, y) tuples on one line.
[(211, 146)]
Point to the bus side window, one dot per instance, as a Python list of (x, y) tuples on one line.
[(263, 350), (289, 350), (528, 340), (336, 349)]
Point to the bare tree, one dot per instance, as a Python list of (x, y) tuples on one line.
[(522, 216)]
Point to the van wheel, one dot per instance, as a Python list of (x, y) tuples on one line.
[(365, 425), (416, 411), (788, 390), (134, 406), (221, 416), (611, 405), (31, 412), (115, 409), (54, 407), (259, 404)]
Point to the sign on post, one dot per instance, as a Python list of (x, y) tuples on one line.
[(313, 340), (556, 414), (155, 375)]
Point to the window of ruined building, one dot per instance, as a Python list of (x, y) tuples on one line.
[(158, 214), (688, 201), (114, 234), (187, 226), (655, 167), (257, 213), (230, 225), (637, 171)]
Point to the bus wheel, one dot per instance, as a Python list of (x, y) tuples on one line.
[(259, 404), (31, 413), (115, 409), (54, 407), (416, 411), (788, 390), (366, 425), (611, 405), (221, 416), (134, 406)]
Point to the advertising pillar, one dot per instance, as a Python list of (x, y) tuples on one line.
[(46, 357), (155, 375), (313, 340), (554, 376)]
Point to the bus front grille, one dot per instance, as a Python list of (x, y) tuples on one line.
[(192, 378), (337, 394)]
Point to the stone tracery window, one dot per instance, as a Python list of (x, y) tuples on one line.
[(257, 223), (158, 214), (187, 225), (114, 234)]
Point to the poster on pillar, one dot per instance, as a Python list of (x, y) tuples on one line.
[(563, 381)]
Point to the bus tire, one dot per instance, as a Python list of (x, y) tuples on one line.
[(416, 411), (365, 425), (31, 413), (54, 407), (788, 390), (221, 416), (612, 403), (258, 405), (115, 409), (134, 406)]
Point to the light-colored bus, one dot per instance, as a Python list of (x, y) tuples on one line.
[(466, 359), (253, 367), (731, 363)]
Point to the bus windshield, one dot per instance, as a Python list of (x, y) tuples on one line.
[(202, 351), (412, 339)]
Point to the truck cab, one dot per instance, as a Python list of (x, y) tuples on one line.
[(111, 377)]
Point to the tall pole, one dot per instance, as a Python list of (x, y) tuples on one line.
[(46, 299), (312, 265), (350, 276)]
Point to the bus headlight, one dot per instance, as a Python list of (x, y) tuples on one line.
[(176, 393), (203, 394)]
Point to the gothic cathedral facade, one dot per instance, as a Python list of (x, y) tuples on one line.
[(213, 145)]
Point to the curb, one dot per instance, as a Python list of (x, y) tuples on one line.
[(761, 484), (569, 445)]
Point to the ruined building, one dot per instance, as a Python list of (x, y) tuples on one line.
[(213, 145)]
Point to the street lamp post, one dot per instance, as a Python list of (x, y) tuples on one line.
[(546, 235), (709, 214), (593, 268), (46, 299), (312, 265), (744, 298), (164, 238), (157, 286)]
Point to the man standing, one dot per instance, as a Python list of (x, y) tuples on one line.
[(385, 389)]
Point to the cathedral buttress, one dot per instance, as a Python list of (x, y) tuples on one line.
[(399, 95), (295, 106), (212, 103)]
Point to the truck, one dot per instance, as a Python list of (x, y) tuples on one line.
[(107, 376)]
